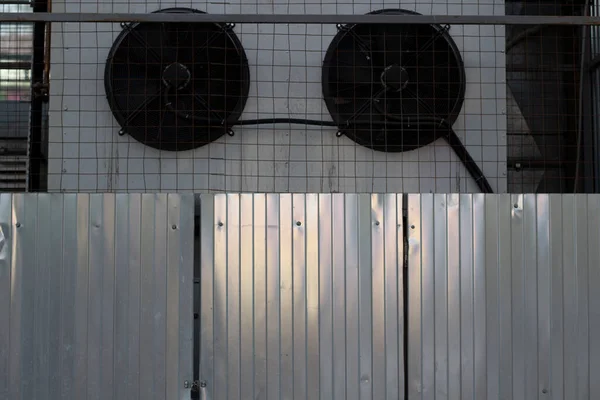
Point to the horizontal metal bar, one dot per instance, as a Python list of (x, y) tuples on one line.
[(520, 164), (11, 180), (15, 65), (11, 162), (15, 2), (303, 18), (4, 152)]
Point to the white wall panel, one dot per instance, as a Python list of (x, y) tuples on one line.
[(86, 154)]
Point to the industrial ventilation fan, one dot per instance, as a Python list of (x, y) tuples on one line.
[(388, 87), (177, 86), (397, 87)]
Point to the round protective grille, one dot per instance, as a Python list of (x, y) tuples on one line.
[(387, 85), (177, 86)]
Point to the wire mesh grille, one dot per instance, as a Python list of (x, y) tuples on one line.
[(261, 107)]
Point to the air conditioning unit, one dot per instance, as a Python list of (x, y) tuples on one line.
[(277, 108)]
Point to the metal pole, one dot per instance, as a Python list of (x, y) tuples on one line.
[(36, 183)]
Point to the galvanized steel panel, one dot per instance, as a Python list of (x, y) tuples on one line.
[(501, 299), (301, 296), (96, 296)]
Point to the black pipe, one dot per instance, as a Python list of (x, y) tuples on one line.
[(285, 121), (36, 181), (451, 137)]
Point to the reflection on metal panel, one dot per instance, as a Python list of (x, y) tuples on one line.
[(301, 296), (95, 296), (501, 296)]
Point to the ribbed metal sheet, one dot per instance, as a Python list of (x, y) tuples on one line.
[(301, 297), (95, 296), (502, 298)]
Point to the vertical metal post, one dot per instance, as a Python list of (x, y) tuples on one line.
[(36, 162), (587, 174)]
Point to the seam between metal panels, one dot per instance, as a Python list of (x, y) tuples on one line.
[(345, 302), (405, 296), (253, 299), (114, 295), (87, 297), (61, 291)]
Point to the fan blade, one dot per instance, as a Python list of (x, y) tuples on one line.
[(352, 61), (143, 41), (380, 53), (168, 42), (427, 45), (210, 39), (367, 104), (352, 75), (140, 108), (422, 103), (389, 39), (186, 44), (199, 102), (359, 42), (408, 107)]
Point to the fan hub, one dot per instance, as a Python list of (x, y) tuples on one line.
[(395, 77), (177, 76)]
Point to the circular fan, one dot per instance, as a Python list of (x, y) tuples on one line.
[(388, 86), (176, 86)]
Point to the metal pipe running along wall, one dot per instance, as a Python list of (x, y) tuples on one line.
[(303, 18)]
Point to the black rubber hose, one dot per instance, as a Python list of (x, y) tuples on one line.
[(451, 137), (264, 121), (470, 164)]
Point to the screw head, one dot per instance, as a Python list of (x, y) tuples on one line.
[(412, 227), (220, 223), (298, 223), (377, 223), (174, 227), (18, 224), (203, 384)]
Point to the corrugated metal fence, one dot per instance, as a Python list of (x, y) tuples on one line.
[(95, 296), (504, 299), (300, 296)]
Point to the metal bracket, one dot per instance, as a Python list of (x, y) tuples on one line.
[(194, 386)]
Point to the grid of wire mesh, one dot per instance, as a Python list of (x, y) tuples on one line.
[(313, 107)]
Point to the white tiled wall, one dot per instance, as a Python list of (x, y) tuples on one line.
[(86, 154)]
